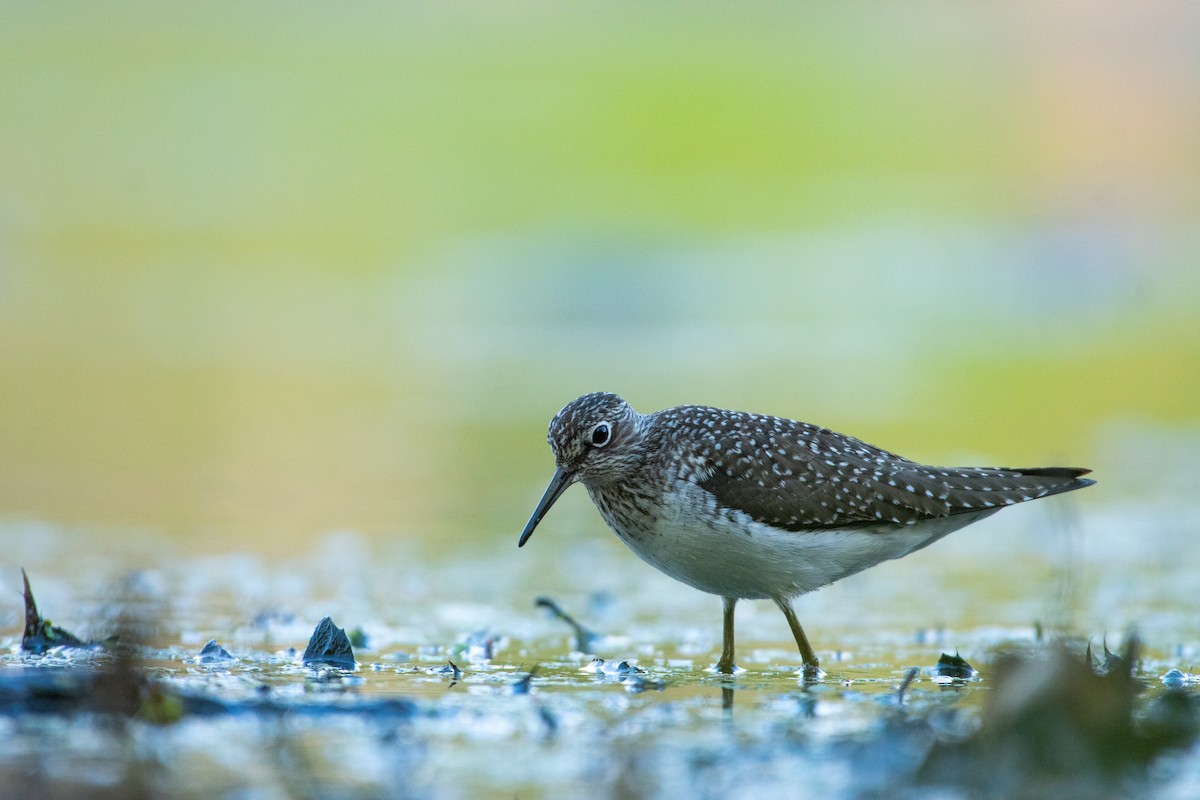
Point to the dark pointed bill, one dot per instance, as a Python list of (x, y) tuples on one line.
[(558, 484)]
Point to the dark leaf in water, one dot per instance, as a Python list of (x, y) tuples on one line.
[(954, 666), (329, 645), (1111, 662), (40, 634)]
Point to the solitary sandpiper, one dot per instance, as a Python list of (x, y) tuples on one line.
[(751, 506)]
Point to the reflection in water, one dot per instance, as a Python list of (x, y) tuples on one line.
[(808, 705)]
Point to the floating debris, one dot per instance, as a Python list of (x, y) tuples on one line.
[(329, 645), (1178, 679), (594, 667), (449, 668), (598, 666), (40, 634), (585, 640)]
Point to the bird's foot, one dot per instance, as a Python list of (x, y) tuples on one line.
[(811, 673), (723, 668)]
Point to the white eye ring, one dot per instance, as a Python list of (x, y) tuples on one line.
[(601, 434)]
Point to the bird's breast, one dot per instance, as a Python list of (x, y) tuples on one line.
[(685, 534)]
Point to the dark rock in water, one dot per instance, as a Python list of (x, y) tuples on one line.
[(954, 666), (40, 634), (213, 653), (329, 645)]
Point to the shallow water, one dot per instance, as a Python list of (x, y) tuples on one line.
[(402, 725)]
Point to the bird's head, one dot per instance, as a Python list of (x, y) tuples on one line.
[(596, 439)]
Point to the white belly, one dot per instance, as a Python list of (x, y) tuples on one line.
[(734, 556)]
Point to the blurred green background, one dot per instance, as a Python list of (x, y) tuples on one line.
[(273, 269)]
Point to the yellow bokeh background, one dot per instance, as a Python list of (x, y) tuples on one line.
[(272, 270)]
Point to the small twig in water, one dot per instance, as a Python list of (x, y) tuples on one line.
[(909, 677)]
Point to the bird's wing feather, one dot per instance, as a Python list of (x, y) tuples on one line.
[(800, 477)]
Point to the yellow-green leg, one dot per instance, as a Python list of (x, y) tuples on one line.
[(725, 665), (806, 652)]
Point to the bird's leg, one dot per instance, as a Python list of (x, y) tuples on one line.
[(811, 665), (725, 665)]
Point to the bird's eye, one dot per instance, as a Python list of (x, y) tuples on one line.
[(601, 434)]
